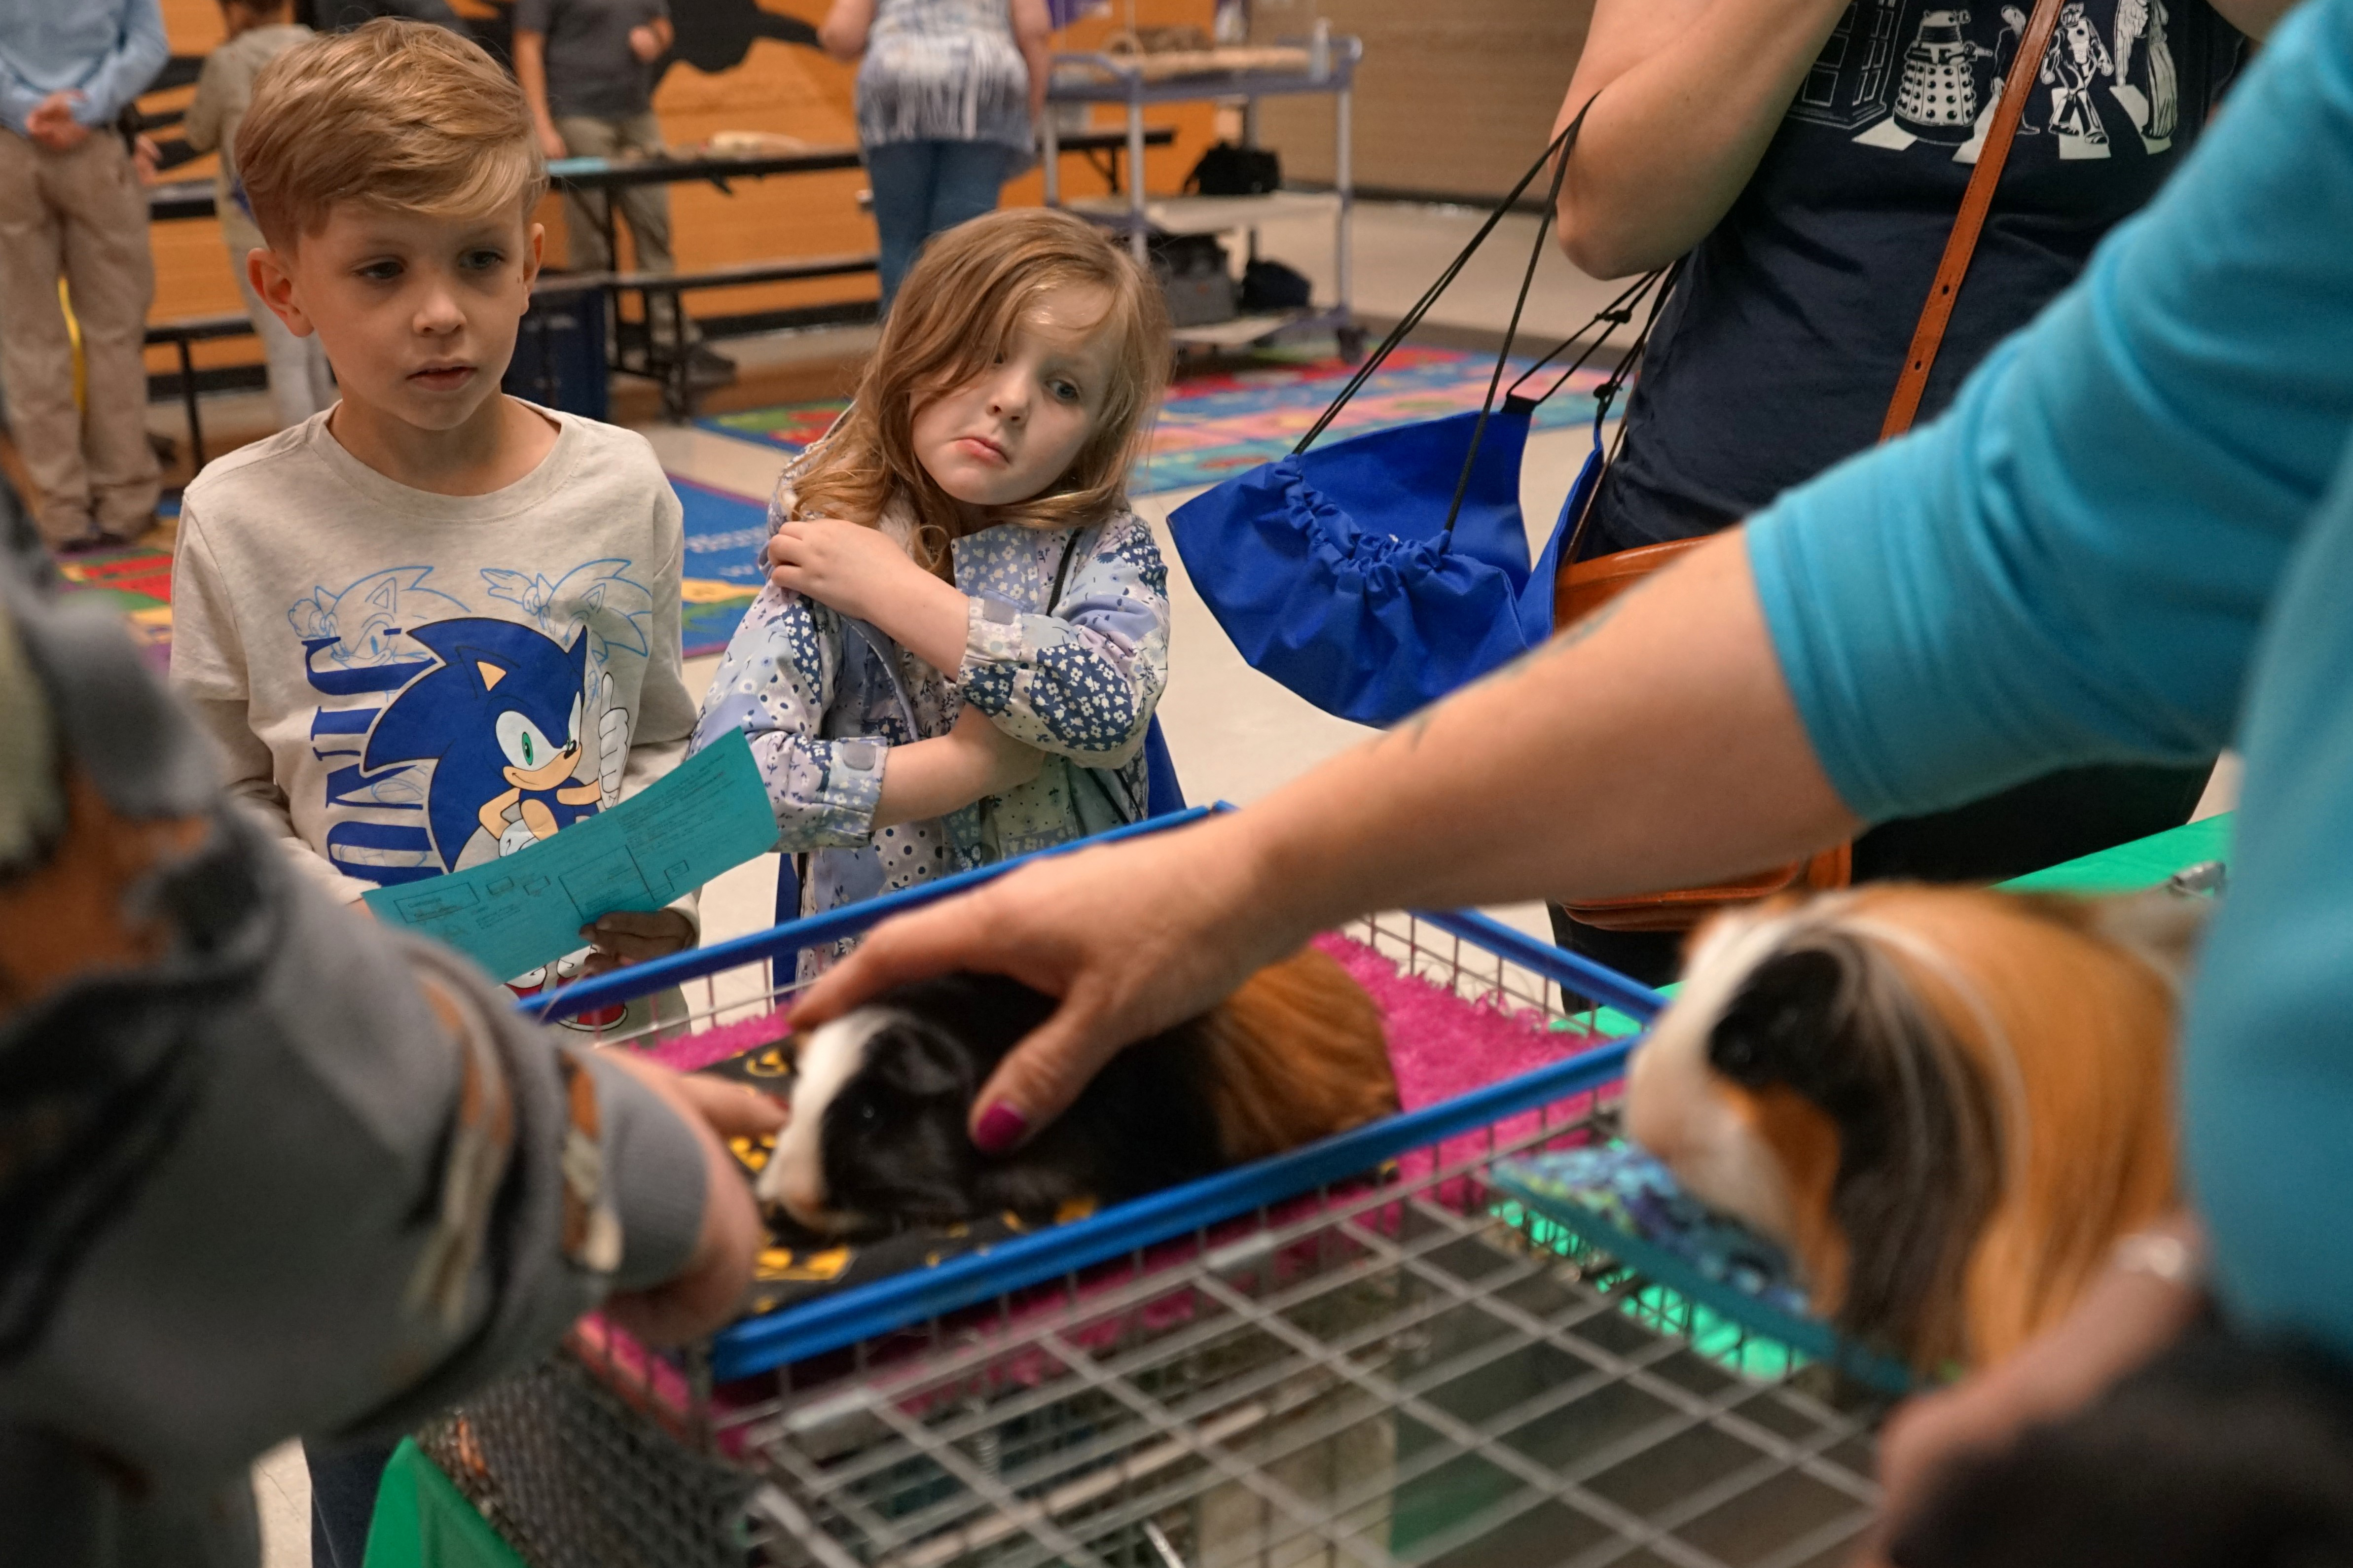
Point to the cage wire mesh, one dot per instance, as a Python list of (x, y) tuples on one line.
[(1403, 1368)]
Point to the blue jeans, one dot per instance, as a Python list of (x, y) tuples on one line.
[(923, 188)]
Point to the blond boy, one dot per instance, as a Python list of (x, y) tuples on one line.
[(434, 624)]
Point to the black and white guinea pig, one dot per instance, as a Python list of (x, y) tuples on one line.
[(1946, 1103), (880, 1097)]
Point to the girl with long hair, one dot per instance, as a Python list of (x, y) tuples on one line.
[(964, 629)]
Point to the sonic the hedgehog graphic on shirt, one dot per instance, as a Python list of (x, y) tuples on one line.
[(456, 736), (500, 722)]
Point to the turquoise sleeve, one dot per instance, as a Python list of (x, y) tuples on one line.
[(2132, 537)]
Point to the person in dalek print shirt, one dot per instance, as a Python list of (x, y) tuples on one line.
[(1805, 159)]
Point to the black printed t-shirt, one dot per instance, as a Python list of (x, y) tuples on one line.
[(1779, 351)]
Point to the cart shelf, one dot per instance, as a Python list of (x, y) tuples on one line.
[(1209, 215), (1122, 80)]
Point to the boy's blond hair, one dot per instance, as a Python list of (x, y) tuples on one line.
[(397, 114)]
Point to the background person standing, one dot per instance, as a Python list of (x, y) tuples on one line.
[(72, 205), (301, 384), (587, 69), (948, 97)]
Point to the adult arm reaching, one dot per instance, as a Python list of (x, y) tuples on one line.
[(1238, 891), (319, 1174)]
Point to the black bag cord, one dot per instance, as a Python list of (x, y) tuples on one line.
[(1618, 313), (1511, 332), (1607, 393), (1558, 146)]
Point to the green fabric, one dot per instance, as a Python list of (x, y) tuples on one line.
[(2125, 869), (2129, 868), (424, 1521)]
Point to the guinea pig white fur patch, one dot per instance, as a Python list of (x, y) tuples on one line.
[(1675, 1106), (829, 1057)]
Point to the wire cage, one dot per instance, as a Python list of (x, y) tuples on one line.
[(1360, 1354)]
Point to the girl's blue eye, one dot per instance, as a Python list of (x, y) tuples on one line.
[(1067, 391), (484, 260), (380, 271)]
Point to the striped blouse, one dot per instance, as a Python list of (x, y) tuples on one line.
[(943, 70)]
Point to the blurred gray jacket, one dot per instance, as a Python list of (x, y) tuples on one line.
[(265, 1168)]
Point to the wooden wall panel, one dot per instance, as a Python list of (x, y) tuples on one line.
[(1454, 97), (191, 266), (774, 86)]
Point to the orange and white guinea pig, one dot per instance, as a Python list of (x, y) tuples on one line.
[(1947, 1104)]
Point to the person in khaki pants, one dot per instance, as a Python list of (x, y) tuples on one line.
[(72, 205), (586, 67)]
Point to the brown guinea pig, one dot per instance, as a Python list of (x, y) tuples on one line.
[(1946, 1103), (880, 1096)]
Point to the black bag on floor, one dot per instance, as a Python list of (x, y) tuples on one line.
[(559, 352), (1272, 286), (1226, 170)]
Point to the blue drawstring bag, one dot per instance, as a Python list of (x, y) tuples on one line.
[(1376, 574)]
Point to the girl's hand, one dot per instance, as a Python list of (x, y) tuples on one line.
[(860, 573), (972, 762), (844, 567)]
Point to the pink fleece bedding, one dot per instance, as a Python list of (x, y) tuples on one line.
[(1440, 1045)]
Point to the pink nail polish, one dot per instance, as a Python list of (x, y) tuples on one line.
[(1001, 1127)]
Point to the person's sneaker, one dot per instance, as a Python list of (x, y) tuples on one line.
[(706, 367)]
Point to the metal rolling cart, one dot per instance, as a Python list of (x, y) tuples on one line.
[(1358, 1353), (1125, 79)]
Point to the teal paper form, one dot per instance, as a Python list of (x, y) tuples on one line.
[(524, 910)]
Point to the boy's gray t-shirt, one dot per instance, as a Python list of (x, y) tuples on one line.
[(590, 70), (382, 666)]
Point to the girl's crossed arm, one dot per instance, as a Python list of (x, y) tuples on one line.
[(1082, 682), (775, 683)]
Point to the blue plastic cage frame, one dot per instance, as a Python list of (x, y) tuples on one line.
[(836, 1322)]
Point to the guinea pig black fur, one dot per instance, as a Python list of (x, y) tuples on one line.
[(880, 1097)]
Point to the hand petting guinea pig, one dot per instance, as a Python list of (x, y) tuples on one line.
[(1947, 1104), (880, 1096)]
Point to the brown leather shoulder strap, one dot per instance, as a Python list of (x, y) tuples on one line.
[(1963, 241)]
